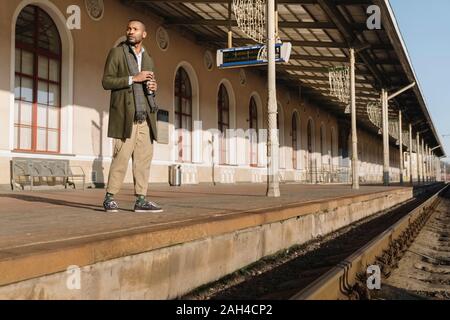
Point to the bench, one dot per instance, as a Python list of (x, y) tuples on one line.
[(50, 172)]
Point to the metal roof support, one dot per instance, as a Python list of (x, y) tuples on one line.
[(430, 160), (277, 26), (384, 113), (424, 172), (427, 174), (435, 172), (437, 165), (393, 32), (419, 180), (410, 155), (431, 164), (355, 173), (225, 23), (428, 163), (437, 147), (438, 169), (230, 31), (435, 162), (295, 43), (434, 168), (445, 172), (400, 135), (273, 185), (438, 173), (351, 37), (399, 92), (424, 179)]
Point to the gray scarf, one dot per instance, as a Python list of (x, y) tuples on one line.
[(141, 99)]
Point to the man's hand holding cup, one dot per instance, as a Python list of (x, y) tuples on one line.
[(144, 76)]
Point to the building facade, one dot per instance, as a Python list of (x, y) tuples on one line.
[(52, 104)]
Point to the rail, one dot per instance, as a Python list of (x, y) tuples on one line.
[(347, 280)]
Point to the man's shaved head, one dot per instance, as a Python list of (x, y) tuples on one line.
[(140, 22), (136, 32)]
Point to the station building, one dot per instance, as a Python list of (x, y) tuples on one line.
[(53, 106)]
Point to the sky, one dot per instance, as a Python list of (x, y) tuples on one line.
[(425, 28)]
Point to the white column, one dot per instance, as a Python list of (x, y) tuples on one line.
[(273, 188), (437, 167), (400, 134), (427, 167), (418, 159), (432, 166), (445, 172), (410, 155), (423, 161), (425, 174), (355, 173), (385, 114), (430, 157)]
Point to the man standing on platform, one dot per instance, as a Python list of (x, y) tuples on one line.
[(132, 118)]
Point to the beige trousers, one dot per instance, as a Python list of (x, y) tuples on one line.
[(139, 147)]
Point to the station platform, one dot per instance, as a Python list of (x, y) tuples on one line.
[(205, 233)]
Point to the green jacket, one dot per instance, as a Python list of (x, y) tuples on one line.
[(122, 108)]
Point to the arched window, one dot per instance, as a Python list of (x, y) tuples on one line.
[(223, 109), (253, 126), (183, 115), (294, 141), (37, 82)]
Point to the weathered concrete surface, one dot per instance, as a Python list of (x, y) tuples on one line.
[(205, 234)]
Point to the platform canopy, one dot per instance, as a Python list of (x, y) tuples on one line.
[(321, 32)]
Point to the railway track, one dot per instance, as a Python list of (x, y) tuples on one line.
[(334, 267), (349, 279), (424, 270)]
